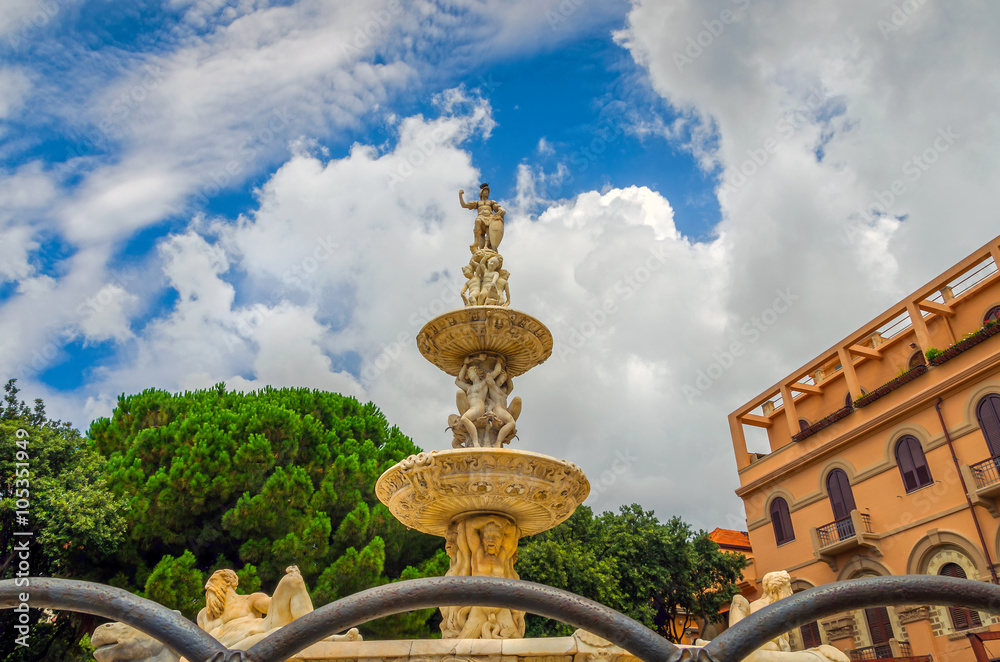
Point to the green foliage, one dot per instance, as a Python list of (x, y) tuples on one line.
[(77, 525), (260, 481), (933, 352), (177, 584), (664, 575)]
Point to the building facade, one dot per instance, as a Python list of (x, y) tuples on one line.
[(882, 462)]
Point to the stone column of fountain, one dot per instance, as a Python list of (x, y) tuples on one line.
[(480, 496)]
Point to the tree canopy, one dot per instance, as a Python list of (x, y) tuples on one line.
[(664, 575), (75, 522), (257, 482)]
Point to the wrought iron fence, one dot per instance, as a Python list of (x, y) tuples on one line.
[(987, 472), (841, 529), (732, 645)]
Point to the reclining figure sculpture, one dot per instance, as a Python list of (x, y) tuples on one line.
[(237, 621)]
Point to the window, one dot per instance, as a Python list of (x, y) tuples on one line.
[(916, 359), (841, 496), (961, 618), (810, 635), (988, 413), (912, 464), (803, 424), (992, 315), (781, 521)]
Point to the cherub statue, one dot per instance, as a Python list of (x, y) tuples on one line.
[(488, 229), (473, 285), (499, 388), (490, 294), (472, 396)]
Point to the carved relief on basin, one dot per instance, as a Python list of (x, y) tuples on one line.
[(429, 490), (448, 339)]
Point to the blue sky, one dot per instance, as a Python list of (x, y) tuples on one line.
[(256, 192)]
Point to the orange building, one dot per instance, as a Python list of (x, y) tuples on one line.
[(881, 462), (734, 542)]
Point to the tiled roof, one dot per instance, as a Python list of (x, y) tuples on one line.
[(730, 538)]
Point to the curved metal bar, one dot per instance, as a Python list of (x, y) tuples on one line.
[(154, 619), (413, 594), (788, 613)]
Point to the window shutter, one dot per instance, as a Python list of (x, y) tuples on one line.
[(962, 619), (912, 463), (781, 520), (810, 635), (988, 413)]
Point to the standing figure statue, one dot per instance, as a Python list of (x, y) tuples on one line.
[(488, 229)]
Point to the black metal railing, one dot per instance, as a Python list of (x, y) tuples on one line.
[(841, 529), (732, 645), (986, 473)]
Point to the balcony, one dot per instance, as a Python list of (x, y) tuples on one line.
[(894, 650), (850, 533), (982, 479)]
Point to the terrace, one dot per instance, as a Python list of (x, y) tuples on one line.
[(856, 380)]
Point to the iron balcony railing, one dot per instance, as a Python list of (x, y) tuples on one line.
[(986, 473), (841, 529)]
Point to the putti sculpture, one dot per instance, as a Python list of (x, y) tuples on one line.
[(481, 496)]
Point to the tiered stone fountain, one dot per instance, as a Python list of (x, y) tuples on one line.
[(480, 496)]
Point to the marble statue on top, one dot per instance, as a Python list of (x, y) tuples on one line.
[(236, 621), (484, 419), (488, 229)]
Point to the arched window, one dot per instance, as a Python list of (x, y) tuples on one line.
[(988, 413), (916, 359), (961, 619), (841, 496), (803, 424), (912, 464), (781, 520), (992, 315)]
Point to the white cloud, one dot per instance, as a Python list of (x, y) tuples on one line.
[(14, 88)]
